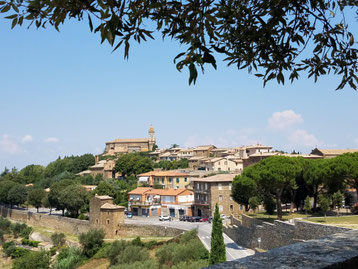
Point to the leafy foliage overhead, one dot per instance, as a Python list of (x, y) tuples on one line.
[(277, 39)]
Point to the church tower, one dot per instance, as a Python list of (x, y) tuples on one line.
[(152, 139)]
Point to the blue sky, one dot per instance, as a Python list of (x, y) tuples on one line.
[(65, 93)]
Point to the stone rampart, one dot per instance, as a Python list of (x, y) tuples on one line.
[(280, 233), (75, 226), (133, 230), (57, 223)]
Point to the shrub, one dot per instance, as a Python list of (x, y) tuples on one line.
[(91, 241), (58, 239), (19, 252), (150, 244), (68, 258), (33, 259), (9, 248), (4, 225), (137, 242), (354, 208), (53, 251), (132, 254), (31, 243), (148, 264), (115, 249), (83, 217), (187, 236), (21, 229), (103, 251), (191, 265)]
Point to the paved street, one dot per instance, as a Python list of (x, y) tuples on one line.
[(233, 251)]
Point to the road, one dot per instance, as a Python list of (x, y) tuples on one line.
[(233, 251)]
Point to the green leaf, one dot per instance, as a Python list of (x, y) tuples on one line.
[(178, 56), (193, 73), (14, 22), (90, 23), (5, 9)]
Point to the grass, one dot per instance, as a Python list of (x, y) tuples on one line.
[(341, 221), (95, 264), (285, 216), (5, 263)]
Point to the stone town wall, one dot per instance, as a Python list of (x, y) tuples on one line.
[(247, 231), (58, 223), (133, 230), (75, 226)]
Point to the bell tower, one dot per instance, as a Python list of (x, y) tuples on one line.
[(152, 139)]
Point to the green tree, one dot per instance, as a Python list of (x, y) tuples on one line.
[(276, 39), (33, 259), (337, 199), (5, 186), (324, 204), (243, 188), (17, 194), (307, 205), (91, 241), (58, 239), (72, 198), (218, 252), (254, 203), (35, 197), (54, 194), (32, 173), (133, 164)]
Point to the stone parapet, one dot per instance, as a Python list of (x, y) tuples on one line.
[(337, 251)]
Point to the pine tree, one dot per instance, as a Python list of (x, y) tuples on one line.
[(217, 253)]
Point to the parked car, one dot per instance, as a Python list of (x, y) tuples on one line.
[(204, 219), (163, 218), (129, 215), (182, 218), (195, 219), (187, 218)]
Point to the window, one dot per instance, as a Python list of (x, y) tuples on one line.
[(162, 180), (221, 208), (230, 198), (220, 186), (197, 186), (230, 185), (108, 221), (240, 207), (231, 207), (185, 179), (225, 162), (177, 180), (220, 198), (170, 180), (206, 186)]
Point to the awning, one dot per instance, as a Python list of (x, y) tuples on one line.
[(143, 179), (156, 196)]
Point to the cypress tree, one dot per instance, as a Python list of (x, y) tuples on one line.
[(218, 252)]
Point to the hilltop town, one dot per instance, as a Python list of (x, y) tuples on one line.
[(136, 189)]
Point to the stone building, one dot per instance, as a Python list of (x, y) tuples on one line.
[(120, 145), (168, 179), (330, 153), (106, 215), (215, 189)]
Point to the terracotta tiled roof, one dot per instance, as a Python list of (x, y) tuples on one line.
[(147, 190), (129, 140), (111, 206), (206, 147), (163, 174), (216, 178), (337, 151)]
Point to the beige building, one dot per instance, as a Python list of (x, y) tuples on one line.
[(330, 153), (144, 201), (203, 151), (215, 189), (106, 215), (103, 167), (224, 164), (120, 146), (168, 179)]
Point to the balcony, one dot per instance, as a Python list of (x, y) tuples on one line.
[(144, 203)]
